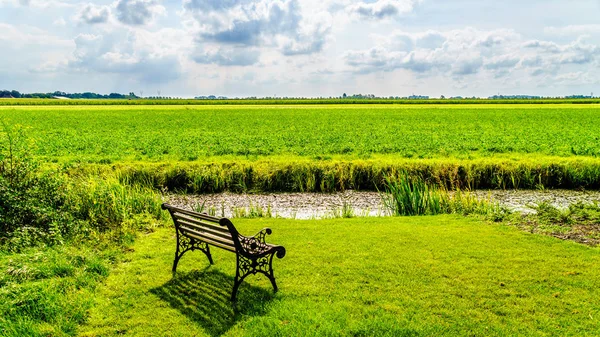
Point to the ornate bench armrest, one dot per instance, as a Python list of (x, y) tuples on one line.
[(262, 235)]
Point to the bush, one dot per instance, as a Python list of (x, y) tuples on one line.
[(41, 207), (31, 202)]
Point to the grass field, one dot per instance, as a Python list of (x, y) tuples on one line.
[(424, 276), (187, 133), (322, 147)]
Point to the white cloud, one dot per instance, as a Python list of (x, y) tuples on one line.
[(93, 14), (281, 25), (228, 56), (383, 9), (60, 22), (137, 55), (138, 12), (40, 4), (467, 52), (573, 30)]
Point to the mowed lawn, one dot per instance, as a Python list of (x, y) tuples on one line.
[(417, 276)]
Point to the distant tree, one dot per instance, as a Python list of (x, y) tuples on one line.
[(443, 97), (344, 95)]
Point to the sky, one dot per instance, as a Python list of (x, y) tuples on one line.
[(301, 48)]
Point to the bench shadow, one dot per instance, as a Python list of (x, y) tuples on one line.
[(204, 297)]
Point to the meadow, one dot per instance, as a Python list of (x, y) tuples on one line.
[(321, 147), (182, 133)]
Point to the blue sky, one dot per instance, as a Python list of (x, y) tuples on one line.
[(308, 48)]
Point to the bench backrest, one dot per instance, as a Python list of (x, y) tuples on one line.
[(215, 231)]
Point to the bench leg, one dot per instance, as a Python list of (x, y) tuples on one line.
[(270, 275), (208, 254), (185, 244), (245, 267)]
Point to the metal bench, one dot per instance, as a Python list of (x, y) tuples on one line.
[(198, 231)]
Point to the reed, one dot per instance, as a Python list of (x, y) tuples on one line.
[(406, 196), (306, 175)]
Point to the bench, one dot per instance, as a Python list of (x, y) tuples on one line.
[(198, 231)]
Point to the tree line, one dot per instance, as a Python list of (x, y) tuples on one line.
[(84, 95)]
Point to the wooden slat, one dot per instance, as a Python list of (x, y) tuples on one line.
[(227, 241), (210, 242), (200, 228), (217, 228), (195, 214)]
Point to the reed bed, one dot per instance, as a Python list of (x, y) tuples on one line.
[(406, 196), (303, 175)]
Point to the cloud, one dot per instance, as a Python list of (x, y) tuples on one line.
[(37, 3), (573, 30), (383, 9), (132, 55), (210, 5), (281, 25), (454, 53), (466, 52), (577, 52), (230, 57), (92, 14), (60, 22), (504, 61), (258, 23), (138, 12)]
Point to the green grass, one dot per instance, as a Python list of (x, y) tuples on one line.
[(188, 133), (321, 147), (419, 276), (48, 292)]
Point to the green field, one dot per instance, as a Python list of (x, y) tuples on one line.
[(322, 147), (155, 133)]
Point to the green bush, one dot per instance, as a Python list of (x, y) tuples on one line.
[(41, 207), (32, 203)]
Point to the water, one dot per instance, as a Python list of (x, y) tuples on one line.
[(323, 205)]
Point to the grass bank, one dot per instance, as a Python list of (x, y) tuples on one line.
[(443, 276), (296, 174)]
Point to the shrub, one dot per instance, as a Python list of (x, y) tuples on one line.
[(31, 202), (41, 207)]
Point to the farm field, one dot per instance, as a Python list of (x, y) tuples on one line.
[(188, 133), (321, 147)]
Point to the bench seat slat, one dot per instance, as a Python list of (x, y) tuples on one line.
[(202, 228), (216, 227), (200, 236)]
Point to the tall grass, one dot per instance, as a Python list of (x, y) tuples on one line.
[(305, 175), (406, 196)]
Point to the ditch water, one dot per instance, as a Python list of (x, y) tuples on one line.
[(322, 205)]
